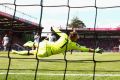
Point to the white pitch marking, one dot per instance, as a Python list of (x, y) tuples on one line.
[(52, 74)]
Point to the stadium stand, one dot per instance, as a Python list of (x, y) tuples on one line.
[(106, 38), (20, 29)]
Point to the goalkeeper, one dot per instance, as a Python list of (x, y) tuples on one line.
[(64, 43)]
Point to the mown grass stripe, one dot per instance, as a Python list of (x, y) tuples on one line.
[(52, 74)]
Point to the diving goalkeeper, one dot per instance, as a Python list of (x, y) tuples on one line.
[(64, 43)]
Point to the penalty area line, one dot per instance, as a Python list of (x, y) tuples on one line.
[(54, 74)]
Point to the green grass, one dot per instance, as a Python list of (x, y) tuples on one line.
[(76, 64)]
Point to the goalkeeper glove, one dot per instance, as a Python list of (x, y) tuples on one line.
[(98, 50)]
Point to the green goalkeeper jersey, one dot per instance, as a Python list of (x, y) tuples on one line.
[(63, 44)]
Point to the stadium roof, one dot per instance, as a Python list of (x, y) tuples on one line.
[(104, 29), (94, 29), (99, 31), (8, 21)]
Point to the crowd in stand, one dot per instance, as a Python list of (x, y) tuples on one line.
[(108, 44)]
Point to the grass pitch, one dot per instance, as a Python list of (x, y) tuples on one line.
[(80, 66)]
